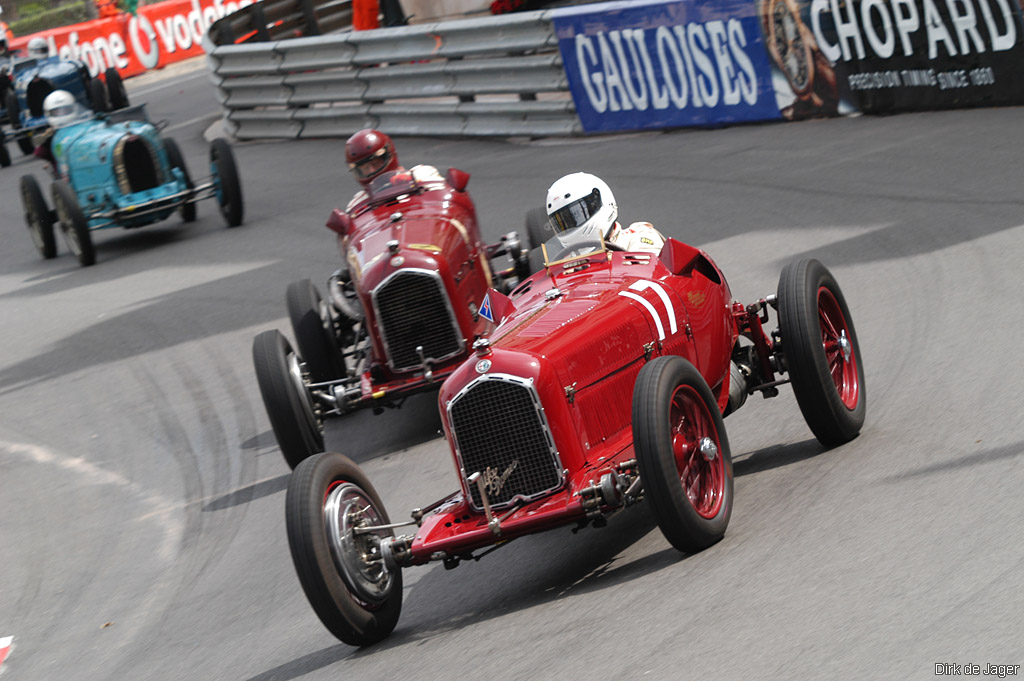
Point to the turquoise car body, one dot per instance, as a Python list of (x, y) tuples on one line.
[(120, 171)]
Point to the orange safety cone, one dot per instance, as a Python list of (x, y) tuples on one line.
[(364, 14)]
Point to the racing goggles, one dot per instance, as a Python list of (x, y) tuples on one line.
[(372, 165), (576, 213)]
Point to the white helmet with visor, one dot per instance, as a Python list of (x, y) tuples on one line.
[(581, 209), (60, 108)]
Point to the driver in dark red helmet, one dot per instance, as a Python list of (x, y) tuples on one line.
[(371, 153)]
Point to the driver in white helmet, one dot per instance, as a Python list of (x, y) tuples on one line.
[(38, 48), (582, 210), (60, 109)]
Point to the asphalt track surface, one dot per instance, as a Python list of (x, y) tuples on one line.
[(142, 493)]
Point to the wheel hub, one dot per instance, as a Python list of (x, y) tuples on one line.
[(845, 346), (357, 555), (708, 448)]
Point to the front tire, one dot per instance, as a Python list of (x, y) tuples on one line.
[(5, 155), (821, 352), (115, 88), (14, 116), (229, 189), (356, 597), (38, 217), (538, 227), (73, 223), (683, 453), (314, 332), (99, 96), (289, 404), (176, 160)]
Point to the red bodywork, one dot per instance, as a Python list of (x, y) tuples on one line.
[(422, 226), (577, 335)]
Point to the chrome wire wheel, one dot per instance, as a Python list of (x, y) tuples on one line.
[(356, 554)]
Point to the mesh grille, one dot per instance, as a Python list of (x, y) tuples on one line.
[(412, 310), (501, 434)]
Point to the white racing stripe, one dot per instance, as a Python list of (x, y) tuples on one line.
[(643, 285), (650, 308)]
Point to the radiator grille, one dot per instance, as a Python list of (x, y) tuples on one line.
[(413, 310), (501, 433)]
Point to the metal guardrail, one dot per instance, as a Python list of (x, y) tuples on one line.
[(486, 76)]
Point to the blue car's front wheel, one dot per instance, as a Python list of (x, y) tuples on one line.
[(176, 160), (38, 217), (72, 223), (225, 173)]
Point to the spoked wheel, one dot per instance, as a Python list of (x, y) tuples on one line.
[(38, 217), (73, 223), (821, 352), (289, 404), (229, 189), (176, 160), (683, 453), (115, 89), (313, 325), (354, 594)]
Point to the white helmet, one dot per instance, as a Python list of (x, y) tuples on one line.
[(60, 108), (37, 47), (581, 208)]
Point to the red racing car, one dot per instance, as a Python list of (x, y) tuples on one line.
[(399, 317), (605, 383)]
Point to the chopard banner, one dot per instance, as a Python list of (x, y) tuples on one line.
[(157, 35), (637, 65), (898, 55)]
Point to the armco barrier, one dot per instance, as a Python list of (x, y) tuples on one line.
[(487, 76), (642, 64)]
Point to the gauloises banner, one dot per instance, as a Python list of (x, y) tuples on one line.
[(158, 35), (634, 65)]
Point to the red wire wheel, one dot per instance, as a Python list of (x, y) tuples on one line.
[(821, 352), (683, 453)]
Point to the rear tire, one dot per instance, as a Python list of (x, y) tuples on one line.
[(5, 155), (356, 598), (289, 405), (314, 332), (73, 223), (683, 453), (38, 217), (229, 190), (176, 160), (821, 352)]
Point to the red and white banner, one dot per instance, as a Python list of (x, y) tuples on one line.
[(158, 35)]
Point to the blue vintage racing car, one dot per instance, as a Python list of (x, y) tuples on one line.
[(116, 170)]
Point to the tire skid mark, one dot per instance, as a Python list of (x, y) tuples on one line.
[(91, 474)]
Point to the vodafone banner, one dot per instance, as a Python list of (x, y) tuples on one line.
[(158, 35)]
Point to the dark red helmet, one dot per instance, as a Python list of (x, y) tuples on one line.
[(370, 153)]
